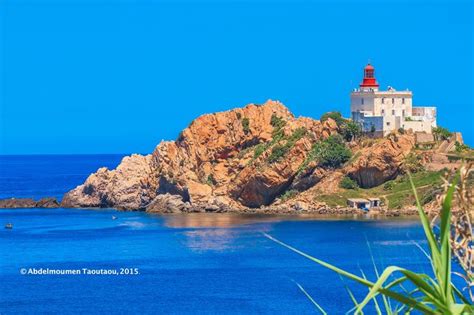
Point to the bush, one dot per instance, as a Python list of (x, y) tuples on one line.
[(350, 130), (288, 194), (388, 185), (239, 115), (211, 181), (277, 122), (297, 134), (348, 183), (259, 149), (412, 163), (401, 131), (460, 147), (278, 151), (246, 125), (331, 152), (441, 133), (336, 116)]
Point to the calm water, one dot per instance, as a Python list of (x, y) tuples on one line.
[(198, 263)]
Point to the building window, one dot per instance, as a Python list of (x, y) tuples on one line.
[(383, 100), (393, 112), (362, 101), (393, 101), (388, 123), (403, 112), (403, 100), (383, 111)]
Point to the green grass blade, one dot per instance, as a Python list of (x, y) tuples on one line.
[(432, 243), (445, 243), (415, 278), (311, 299), (376, 303), (409, 301)]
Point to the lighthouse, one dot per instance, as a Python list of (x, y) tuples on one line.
[(381, 112), (369, 82)]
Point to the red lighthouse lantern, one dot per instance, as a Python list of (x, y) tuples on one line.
[(369, 80)]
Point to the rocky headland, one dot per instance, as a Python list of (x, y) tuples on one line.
[(263, 159), (259, 158)]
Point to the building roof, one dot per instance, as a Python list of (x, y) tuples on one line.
[(358, 200), (374, 199)]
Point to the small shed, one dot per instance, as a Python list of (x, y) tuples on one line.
[(358, 203), (374, 202)]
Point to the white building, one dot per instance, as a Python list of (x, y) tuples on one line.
[(381, 112)]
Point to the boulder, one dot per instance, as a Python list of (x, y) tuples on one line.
[(168, 203)]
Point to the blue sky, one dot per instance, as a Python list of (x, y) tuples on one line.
[(84, 76)]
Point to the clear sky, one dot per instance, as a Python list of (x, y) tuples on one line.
[(85, 76)]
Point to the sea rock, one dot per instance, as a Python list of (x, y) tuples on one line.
[(47, 202), (167, 203), (17, 203), (382, 161), (131, 186)]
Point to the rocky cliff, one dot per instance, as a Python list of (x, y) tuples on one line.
[(235, 160)]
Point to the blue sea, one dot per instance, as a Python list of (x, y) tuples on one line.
[(178, 264)]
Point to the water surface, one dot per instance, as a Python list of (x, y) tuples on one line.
[(192, 263)]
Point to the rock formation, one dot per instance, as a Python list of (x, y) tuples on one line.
[(381, 162), (14, 203), (239, 159)]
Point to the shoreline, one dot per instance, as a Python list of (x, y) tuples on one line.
[(320, 212)]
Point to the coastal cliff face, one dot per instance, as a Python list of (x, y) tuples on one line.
[(381, 162), (239, 159)]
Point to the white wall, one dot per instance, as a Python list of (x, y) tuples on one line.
[(421, 126)]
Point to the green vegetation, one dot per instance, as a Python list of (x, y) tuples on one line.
[(246, 125), (211, 181), (277, 122), (336, 116), (348, 183), (388, 185), (401, 131), (280, 150), (467, 155), (396, 194), (460, 147), (350, 130), (435, 294), (413, 163), (372, 128), (331, 152), (441, 133), (239, 115), (277, 135), (259, 149), (289, 194)]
